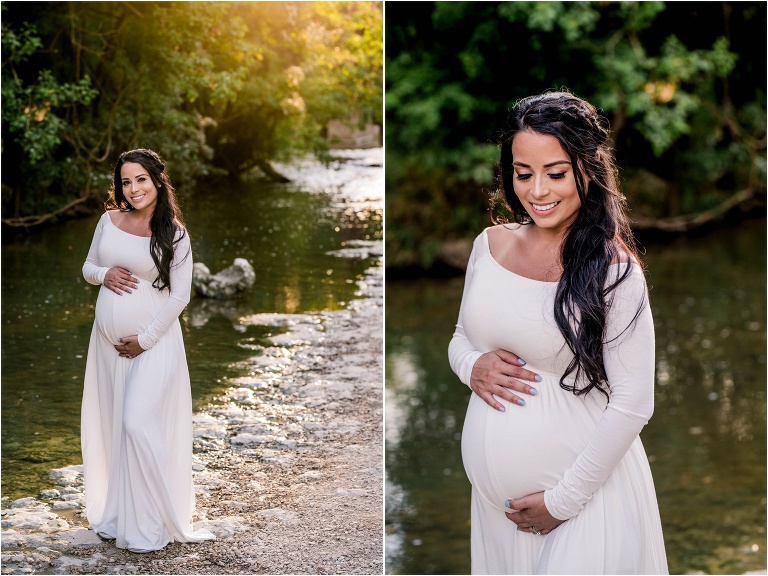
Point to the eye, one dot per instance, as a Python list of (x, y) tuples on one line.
[(557, 176), (125, 182), (523, 177), (141, 178)]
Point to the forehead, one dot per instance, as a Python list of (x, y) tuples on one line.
[(132, 169), (534, 148)]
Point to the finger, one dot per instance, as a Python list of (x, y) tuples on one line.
[(510, 358), (129, 281), (510, 384), (521, 504), (508, 395), (519, 373), (491, 401), (517, 518)]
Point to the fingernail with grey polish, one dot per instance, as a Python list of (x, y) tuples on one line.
[(537, 378), (501, 408), (521, 402), (506, 504), (521, 361), (534, 391)]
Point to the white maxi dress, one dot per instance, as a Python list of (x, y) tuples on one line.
[(584, 452), (136, 420)]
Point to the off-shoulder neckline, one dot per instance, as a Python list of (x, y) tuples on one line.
[(496, 263)]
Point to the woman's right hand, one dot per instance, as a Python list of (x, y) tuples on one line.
[(120, 280), (500, 373)]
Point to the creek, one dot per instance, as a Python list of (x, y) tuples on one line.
[(309, 241), (706, 441)]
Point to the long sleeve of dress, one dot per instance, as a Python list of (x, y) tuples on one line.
[(462, 355), (93, 272), (629, 364), (181, 289)]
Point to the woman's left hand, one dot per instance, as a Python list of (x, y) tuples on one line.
[(532, 515), (128, 346)]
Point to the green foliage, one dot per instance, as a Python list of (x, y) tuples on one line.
[(682, 88), (215, 87), (36, 112)]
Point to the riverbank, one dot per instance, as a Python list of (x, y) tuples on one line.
[(288, 464)]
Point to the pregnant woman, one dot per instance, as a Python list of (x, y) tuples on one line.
[(136, 422), (560, 480)]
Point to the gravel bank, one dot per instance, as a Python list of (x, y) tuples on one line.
[(288, 465)]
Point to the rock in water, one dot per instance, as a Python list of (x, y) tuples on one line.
[(227, 283)]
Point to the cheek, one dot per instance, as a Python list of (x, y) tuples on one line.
[(519, 189)]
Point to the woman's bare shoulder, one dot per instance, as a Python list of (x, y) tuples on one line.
[(115, 216), (502, 238), (499, 231)]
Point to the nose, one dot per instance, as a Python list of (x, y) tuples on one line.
[(133, 186), (538, 187)]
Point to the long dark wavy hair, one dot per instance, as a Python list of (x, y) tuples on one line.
[(167, 220), (598, 237)]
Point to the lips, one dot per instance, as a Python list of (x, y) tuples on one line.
[(544, 207), (137, 198)]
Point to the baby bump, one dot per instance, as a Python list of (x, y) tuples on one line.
[(525, 449), (117, 316)]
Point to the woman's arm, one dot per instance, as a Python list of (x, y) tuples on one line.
[(462, 355), (629, 357), (93, 271), (181, 288)]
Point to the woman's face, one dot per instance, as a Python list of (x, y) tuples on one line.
[(138, 188), (544, 180)]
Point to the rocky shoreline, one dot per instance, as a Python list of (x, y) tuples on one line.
[(288, 464)]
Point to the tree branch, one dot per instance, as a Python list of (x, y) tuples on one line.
[(689, 222)]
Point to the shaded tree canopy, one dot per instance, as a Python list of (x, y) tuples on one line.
[(216, 87), (681, 83)]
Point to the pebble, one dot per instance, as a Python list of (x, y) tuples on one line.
[(50, 494)]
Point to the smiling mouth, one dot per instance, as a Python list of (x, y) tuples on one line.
[(544, 207), (136, 198)]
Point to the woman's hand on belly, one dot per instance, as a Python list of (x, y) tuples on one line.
[(129, 346), (500, 373), (120, 280), (531, 515)]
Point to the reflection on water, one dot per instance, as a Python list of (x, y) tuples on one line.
[(706, 441), (288, 232)]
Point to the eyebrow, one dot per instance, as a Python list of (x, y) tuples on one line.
[(555, 163), (137, 176)]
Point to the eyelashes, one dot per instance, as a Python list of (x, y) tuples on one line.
[(554, 176), (140, 179)]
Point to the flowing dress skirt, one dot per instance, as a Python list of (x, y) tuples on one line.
[(136, 428)]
